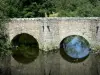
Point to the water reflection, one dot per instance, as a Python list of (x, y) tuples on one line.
[(75, 48), (25, 48)]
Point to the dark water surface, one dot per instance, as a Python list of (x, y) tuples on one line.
[(51, 63), (73, 58)]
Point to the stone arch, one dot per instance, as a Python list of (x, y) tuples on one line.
[(15, 38), (12, 36), (68, 56), (25, 46), (74, 35)]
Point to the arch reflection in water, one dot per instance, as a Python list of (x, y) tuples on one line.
[(74, 48), (25, 48)]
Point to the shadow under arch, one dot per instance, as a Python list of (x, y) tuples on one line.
[(25, 48), (68, 57)]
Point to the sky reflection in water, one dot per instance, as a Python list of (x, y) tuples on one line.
[(76, 48)]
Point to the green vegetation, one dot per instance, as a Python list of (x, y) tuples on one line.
[(62, 8), (79, 8), (30, 8), (3, 35), (43, 8)]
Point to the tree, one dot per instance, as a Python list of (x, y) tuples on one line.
[(79, 8), (30, 8), (3, 20), (62, 8)]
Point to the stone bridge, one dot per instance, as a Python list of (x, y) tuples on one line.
[(49, 32)]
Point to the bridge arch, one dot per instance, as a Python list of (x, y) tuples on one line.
[(24, 37), (74, 47), (25, 48)]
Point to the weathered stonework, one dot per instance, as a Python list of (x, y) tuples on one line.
[(49, 32)]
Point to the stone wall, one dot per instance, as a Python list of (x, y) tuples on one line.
[(98, 32), (49, 32)]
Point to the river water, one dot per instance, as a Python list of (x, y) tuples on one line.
[(52, 63), (27, 59)]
